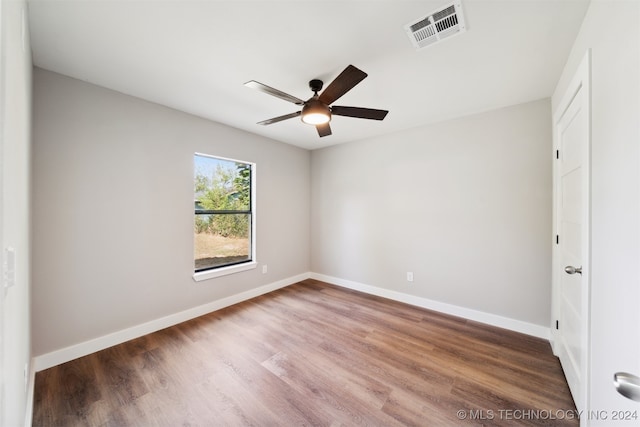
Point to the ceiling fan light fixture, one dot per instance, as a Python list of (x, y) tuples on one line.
[(315, 118), (315, 112)]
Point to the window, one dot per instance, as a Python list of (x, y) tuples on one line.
[(223, 220)]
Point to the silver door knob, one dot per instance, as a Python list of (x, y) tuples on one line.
[(569, 269), (627, 385)]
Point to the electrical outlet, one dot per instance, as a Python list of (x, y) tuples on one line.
[(264, 269), (410, 276)]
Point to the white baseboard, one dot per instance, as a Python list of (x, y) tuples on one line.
[(58, 357), (454, 310)]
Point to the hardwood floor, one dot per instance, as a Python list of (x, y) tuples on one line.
[(312, 354)]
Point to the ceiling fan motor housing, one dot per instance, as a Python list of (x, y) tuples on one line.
[(315, 112)]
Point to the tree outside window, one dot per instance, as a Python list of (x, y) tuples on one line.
[(223, 212)]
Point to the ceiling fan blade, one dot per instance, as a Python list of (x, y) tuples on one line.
[(360, 113), (324, 129), (342, 84), (274, 92), (279, 118)]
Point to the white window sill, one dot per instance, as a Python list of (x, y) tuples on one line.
[(223, 271)]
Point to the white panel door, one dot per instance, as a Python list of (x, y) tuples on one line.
[(573, 313), (571, 254)]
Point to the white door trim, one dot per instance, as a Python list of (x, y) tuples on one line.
[(580, 82), (3, 73)]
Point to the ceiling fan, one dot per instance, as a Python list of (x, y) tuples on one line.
[(317, 110)]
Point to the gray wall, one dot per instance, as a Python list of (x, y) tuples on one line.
[(15, 152), (615, 194), (465, 205), (113, 211)]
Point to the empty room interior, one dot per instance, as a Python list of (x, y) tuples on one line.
[(320, 213)]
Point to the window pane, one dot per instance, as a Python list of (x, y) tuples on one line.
[(223, 212), (222, 240), (222, 184)]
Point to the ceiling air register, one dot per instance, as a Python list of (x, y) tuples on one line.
[(437, 26)]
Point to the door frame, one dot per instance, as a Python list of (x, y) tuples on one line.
[(580, 81), (3, 73)]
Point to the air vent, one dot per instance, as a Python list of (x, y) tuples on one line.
[(438, 25)]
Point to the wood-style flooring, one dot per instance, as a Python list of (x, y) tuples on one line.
[(317, 355)]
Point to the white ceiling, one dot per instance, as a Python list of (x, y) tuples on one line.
[(195, 56)]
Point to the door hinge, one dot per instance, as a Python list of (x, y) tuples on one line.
[(557, 325), (557, 239), (557, 154)]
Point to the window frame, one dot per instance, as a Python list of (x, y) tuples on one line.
[(237, 267)]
